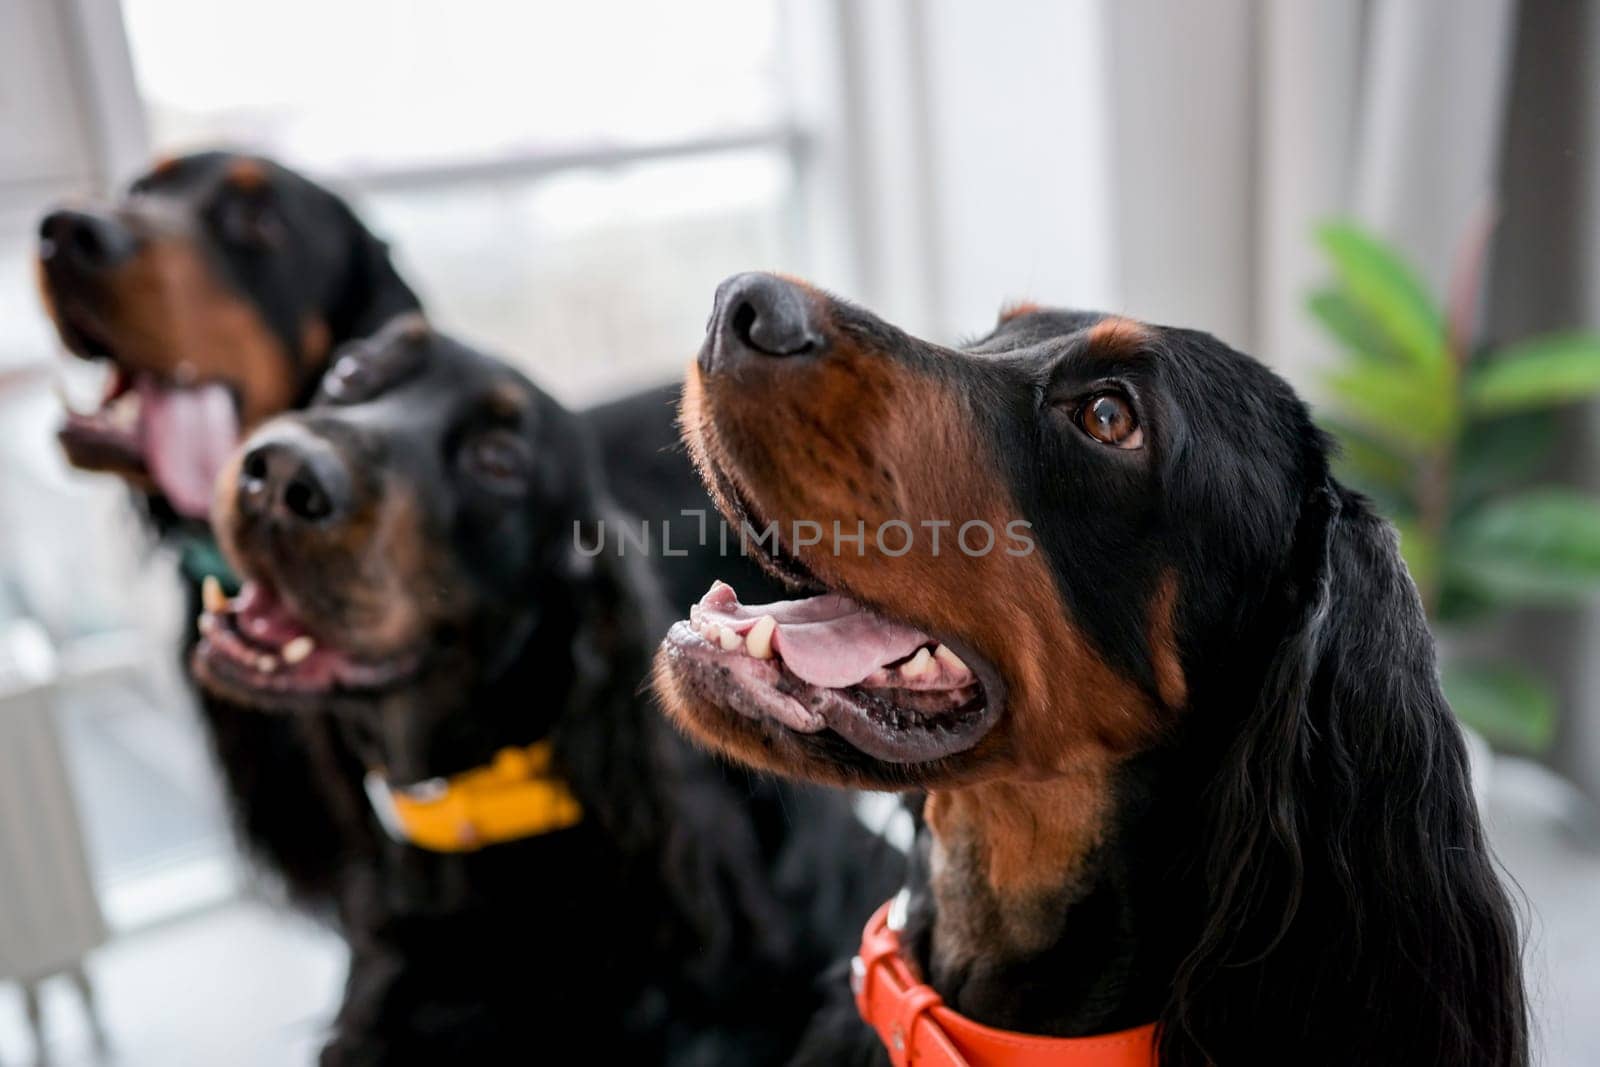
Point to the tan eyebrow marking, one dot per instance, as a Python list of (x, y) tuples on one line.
[(507, 400), (1016, 309), (1115, 332), (245, 173)]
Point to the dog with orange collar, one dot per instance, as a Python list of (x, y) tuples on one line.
[(1166, 683)]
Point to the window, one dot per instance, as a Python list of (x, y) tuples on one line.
[(573, 215)]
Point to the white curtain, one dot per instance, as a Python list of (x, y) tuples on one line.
[(1239, 124)]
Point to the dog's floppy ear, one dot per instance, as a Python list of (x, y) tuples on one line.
[(371, 291), (1353, 911)]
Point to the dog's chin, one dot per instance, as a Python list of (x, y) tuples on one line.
[(106, 438), (90, 445), (229, 673), (253, 651), (286, 691), (701, 704)]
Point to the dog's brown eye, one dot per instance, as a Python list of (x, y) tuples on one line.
[(499, 458), (1109, 418)]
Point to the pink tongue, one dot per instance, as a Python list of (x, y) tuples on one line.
[(263, 617), (829, 641), (187, 435)]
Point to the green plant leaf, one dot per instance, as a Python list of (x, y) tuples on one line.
[(1384, 288), (1395, 406), (1502, 453), (1540, 547), (1346, 322), (1538, 373), (1508, 705)]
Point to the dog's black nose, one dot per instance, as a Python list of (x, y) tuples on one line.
[(763, 315), (83, 240), (294, 479)]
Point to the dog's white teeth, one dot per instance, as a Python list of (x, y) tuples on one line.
[(298, 649), (758, 642), (124, 413), (918, 666), (212, 598), (266, 664), (728, 639), (950, 659)]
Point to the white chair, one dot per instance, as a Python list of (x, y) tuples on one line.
[(49, 916)]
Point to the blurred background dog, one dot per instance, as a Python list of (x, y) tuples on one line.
[(211, 295)]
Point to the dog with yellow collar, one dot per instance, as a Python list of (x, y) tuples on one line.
[(560, 868)]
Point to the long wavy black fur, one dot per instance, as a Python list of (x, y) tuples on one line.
[(1297, 872), (1352, 909)]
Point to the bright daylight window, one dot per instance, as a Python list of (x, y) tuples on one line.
[(550, 204)]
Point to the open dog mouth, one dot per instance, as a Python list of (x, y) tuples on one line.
[(829, 663), (177, 436), (253, 646)]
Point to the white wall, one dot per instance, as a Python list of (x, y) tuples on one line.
[(959, 156), (1017, 97), (1183, 81), (1238, 125)]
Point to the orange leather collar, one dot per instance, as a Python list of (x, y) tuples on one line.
[(919, 1031)]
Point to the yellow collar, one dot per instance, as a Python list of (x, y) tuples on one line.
[(512, 797)]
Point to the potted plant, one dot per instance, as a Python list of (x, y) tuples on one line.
[(1451, 442)]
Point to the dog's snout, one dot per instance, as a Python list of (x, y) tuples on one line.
[(762, 315), (84, 240), (294, 481)]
